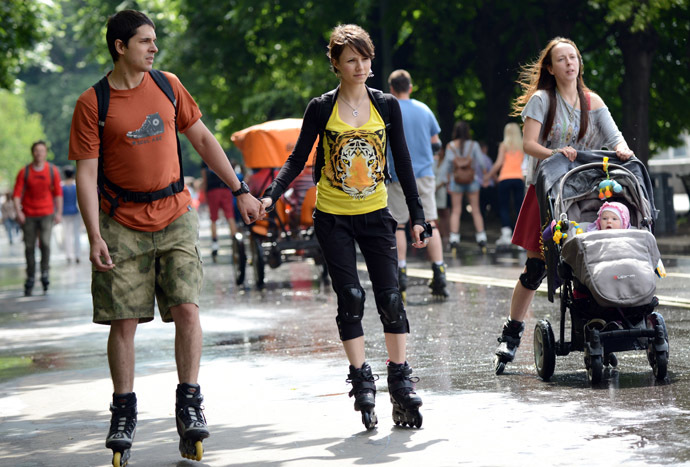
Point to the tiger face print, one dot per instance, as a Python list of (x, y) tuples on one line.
[(357, 160)]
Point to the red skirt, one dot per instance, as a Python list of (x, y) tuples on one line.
[(527, 232)]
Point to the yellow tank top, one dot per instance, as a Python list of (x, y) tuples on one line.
[(512, 166), (352, 180)]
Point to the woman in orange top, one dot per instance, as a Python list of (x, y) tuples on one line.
[(511, 182)]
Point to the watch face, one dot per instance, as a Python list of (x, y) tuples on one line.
[(242, 189)]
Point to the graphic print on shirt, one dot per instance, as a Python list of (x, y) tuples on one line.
[(356, 163), (152, 126)]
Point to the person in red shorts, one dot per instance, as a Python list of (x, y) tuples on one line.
[(38, 201), (218, 196)]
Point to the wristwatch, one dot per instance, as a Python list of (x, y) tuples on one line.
[(241, 190)]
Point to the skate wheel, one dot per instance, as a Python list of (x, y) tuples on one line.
[(369, 420), (117, 460), (199, 450), (499, 365)]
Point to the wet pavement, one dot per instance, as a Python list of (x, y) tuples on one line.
[(273, 375)]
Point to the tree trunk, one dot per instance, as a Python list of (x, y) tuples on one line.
[(638, 50)]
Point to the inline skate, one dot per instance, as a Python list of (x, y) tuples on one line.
[(214, 250), (508, 344), (406, 402), (480, 238), (191, 423), (364, 392), (45, 281), (438, 282), (28, 286), (123, 423)]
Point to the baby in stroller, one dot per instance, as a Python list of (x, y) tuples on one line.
[(611, 215), (604, 258)]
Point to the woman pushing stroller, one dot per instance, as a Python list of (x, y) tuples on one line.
[(561, 115)]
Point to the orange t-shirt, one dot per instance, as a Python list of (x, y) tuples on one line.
[(512, 166), (38, 193), (139, 147)]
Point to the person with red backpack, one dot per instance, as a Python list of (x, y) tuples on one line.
[(38, 201)]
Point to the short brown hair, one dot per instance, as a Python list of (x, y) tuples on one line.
[(38, 143), (351, 35), (400, 81)]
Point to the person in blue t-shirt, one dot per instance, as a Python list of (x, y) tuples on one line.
[(421, 134), (71, 220)]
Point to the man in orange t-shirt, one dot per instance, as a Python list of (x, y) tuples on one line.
[(38, 202), (145, 250)]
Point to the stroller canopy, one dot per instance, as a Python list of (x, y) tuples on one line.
[(268, 144), (573, 187)]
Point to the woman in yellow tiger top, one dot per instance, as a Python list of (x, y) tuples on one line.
[(354, 124)]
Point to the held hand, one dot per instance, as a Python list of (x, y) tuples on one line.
[(58, 218), (100, 257), (624, 153), (416, 233), (267, 202), (250, 208)]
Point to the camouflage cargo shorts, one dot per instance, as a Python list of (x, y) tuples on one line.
[(163, 265)]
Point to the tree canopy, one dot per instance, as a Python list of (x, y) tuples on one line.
[(248, 61)]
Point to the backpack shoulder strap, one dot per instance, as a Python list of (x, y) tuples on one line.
[(163, 83), (51, 169), (26, 178), (102, 89)]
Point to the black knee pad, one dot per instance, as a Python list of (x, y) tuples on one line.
[(535, 273), (351, 303), (391, 309)]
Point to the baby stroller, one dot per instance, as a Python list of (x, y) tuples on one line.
[(607, 278), (288, 232)]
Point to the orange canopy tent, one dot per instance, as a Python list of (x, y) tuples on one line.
[(268, 144)]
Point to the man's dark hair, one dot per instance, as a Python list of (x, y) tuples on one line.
[(123, 25), (38, 143), (400, 81)]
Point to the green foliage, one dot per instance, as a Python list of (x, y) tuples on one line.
[(23, 27), (639, 15), (248, 61), (18, 131)]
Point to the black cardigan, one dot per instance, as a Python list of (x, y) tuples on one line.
[(311, 128)]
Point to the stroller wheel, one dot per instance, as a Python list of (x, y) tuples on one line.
[(660, 365), (610, 359), (595, 369), (239, 259), (657, 349), (544, 350)]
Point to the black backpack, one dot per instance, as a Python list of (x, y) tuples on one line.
[(121, 195), (325, 110)]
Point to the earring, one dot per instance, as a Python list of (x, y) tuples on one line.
[(371, 74)]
